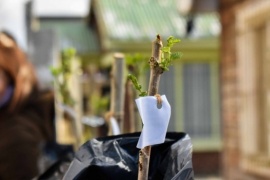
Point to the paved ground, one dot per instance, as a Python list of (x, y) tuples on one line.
[(208, 178)]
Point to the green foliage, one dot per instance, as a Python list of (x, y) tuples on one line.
[(167, 56), (99, 105), (62, 75), (136, 63), (137, 85), (139, 63)]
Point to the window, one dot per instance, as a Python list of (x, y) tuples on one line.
[(197, 100), (200, 103)]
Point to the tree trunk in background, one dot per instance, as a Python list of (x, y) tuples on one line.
[(129, 108), (118, 89)]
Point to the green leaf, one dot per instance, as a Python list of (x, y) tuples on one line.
[(144, 93), (69, 52), (176, 55), (165, 49), (167, 55), (137, 86), (55, 71), (172, 40), (64, 71)]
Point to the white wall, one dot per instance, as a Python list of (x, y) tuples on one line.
[(62, 8)]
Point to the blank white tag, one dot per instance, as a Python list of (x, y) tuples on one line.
[(155, 120)]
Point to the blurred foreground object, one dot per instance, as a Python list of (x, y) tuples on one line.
[(26, 114)]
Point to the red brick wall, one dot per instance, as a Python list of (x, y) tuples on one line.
[(206, 163), (230, 154)]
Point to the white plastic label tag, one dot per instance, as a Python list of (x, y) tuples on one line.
[(155, 120)]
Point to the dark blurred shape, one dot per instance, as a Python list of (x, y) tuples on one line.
[(197, 6), (61, 155), (205, 6), (190, 25)]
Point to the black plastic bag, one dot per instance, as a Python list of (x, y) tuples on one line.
[(58, 158), (116, 157)]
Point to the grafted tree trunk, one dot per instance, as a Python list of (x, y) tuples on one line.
[(156, 71)]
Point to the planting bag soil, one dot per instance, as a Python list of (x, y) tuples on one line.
[(116, 157)]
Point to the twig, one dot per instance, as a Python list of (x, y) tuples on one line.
[(156, 71)]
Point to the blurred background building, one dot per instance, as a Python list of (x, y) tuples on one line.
[(245, 88), (218, 90)]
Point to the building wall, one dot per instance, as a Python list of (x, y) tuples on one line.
[(206, 163), (230, 155), (231, 165)]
